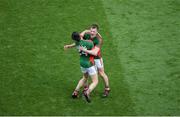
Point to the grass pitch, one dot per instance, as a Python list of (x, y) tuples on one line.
[(140, 52)]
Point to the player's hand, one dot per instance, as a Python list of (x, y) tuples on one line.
[(66, 47), (82, 48)]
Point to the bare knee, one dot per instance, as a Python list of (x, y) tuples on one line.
[(95, 79), (83, 80), (101, 73)]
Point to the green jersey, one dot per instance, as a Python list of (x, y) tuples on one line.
[(95, 42), (86, 60)]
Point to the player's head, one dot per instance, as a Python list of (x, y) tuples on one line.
[(94, 30), (95, 26), (75, 36)]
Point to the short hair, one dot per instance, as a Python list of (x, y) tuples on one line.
[(95, 26), (75, 36)]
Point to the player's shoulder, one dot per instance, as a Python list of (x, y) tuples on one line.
[(99, 39), (96, 39), (87, 43), (87, 36)]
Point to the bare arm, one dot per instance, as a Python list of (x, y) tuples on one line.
[(98, 34), (84, 32), (100, 40), (69, 46), (92, 52)]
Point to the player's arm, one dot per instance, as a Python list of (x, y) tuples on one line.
[(94, 51), (84, 32), (100, 40), (69, 46), (98, 34)]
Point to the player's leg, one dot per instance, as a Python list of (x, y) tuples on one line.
[(106, 81), (94, 77), (93, 84), (86, 84), (104, 76), (100, 66), (81, 83)]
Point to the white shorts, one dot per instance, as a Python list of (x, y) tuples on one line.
[(99, 63), (91, 70)]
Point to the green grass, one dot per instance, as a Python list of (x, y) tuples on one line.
[(140, 52), (147, 36)]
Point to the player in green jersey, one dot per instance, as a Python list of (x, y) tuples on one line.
[(87, 66)]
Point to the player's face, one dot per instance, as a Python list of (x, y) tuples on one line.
[(93, 32)]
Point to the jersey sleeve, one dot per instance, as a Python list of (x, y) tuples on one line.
[(96, 42)]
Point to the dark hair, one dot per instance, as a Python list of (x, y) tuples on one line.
[(95, 26), (75, 36)]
